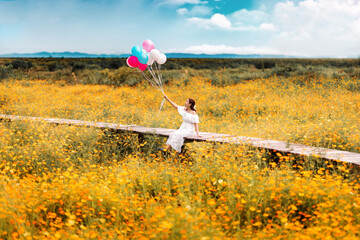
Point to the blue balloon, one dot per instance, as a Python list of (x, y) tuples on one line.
[(143, 57), (136, 51)]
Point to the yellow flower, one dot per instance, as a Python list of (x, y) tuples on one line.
[(211, 202), (257, 224)]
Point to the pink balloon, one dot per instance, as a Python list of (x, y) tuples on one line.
[(132, 61), (142, 67), (148, 45)]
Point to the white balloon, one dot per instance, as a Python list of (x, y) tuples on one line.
[(161, 59), (154, 54), (150, 61)]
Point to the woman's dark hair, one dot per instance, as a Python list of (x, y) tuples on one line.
[(192, 104)]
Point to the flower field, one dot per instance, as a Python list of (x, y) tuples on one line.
[(67, 182)]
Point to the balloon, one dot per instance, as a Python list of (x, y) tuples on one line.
[(148, 45), (143, 57), (133, 61), (127, 62), (154, 54), (161, 59), (150, 61), (142, 67), (136, 51)]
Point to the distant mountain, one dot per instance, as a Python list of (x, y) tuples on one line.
[(60, 55), (169, 55), (224, 55)]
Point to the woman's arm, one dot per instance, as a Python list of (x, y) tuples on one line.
[(171, 102), (197, 129)]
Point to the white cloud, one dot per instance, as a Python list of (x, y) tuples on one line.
[(323, 27), (255, 20), (262, 7), (216, 20), (217, 49), (246, 17), (220, 21), (195, 11), (267, 26), (201, 22), (182, 11), (309, 27)]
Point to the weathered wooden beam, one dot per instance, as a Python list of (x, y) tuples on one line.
[(293, 148)]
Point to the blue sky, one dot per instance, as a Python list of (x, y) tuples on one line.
[(310, 28)]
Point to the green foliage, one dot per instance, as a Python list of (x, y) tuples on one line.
[(124, 76), (55, 65), (179, 71), (21, 64), (5, 71), (265, 64)]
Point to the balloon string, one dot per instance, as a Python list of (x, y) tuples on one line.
[(161, 106), (152, 83), (153, 75), (156, 81), (157, 68)]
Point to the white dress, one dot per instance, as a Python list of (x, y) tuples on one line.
[(187, 129)]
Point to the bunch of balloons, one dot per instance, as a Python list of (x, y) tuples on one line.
[(143, 57), (147, 57)]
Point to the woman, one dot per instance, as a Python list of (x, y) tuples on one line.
[(189, 127)]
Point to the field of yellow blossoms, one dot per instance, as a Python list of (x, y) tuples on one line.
[(67, 182)]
